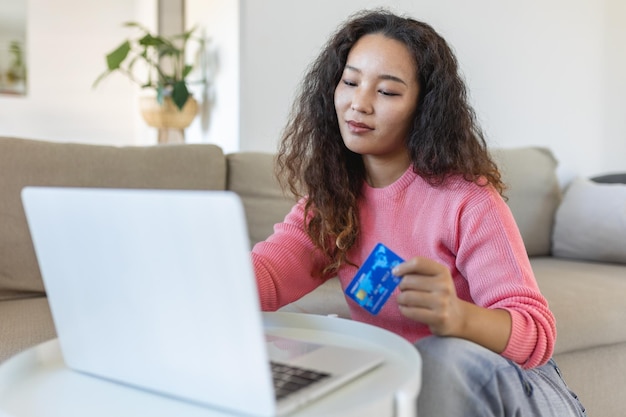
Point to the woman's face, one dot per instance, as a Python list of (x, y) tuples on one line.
[(376, 98)]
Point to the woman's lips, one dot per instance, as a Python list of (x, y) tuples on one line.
[(358, 127)]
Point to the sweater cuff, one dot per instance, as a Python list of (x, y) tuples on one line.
[(526, 346)]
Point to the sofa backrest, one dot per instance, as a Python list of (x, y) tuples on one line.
[(30, 162), (533, 193)]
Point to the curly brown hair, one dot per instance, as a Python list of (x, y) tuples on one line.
[(445, 138)]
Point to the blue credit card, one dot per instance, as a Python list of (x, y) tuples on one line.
[(373, 283)]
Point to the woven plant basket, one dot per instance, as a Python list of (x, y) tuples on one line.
[(167, 115)]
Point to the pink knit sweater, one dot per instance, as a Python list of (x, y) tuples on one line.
[(462, 225)]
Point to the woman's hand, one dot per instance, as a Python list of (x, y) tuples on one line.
[(428, 295)]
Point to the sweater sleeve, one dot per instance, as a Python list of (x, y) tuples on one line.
[(285, 262), (492, 256)]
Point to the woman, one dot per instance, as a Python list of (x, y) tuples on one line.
[(382, 146)]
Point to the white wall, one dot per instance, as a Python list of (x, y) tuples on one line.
[(540, 72), (614, 143), (219, 118), (66, 44)]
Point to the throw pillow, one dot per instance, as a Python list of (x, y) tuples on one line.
[(611, 178), (591, 222)]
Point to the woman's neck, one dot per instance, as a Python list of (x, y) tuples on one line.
[(380, 173)]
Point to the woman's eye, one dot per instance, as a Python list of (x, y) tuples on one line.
[(388, 93), (349, 83)]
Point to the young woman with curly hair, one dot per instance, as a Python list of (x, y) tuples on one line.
[(383, 146)]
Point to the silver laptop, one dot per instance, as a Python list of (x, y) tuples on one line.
[(155, 289)]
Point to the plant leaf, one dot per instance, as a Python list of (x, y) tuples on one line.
[(115, 58), (150, 40), (187, 70), (160, 94), (180, 94)]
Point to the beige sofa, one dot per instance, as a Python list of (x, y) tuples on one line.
[(588, 297)]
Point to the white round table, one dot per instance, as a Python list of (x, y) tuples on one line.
[(36, 382)]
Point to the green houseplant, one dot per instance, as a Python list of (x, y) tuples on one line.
[(156, 62), (17, 69)]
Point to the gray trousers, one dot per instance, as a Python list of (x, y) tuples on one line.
[(461, 378)]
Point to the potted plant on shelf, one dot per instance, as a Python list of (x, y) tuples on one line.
[(159, 63)]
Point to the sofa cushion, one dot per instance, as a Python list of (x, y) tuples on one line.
[(587, 299), (251, 175), (29, 162), (533, 193), (591, 222)]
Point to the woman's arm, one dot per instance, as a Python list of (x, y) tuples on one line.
[(428, 295), (498, 303), (285, 263)]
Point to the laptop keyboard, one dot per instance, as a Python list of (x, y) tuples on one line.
[(289, 379)]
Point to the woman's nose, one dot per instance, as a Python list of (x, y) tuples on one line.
[(361, 102)]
